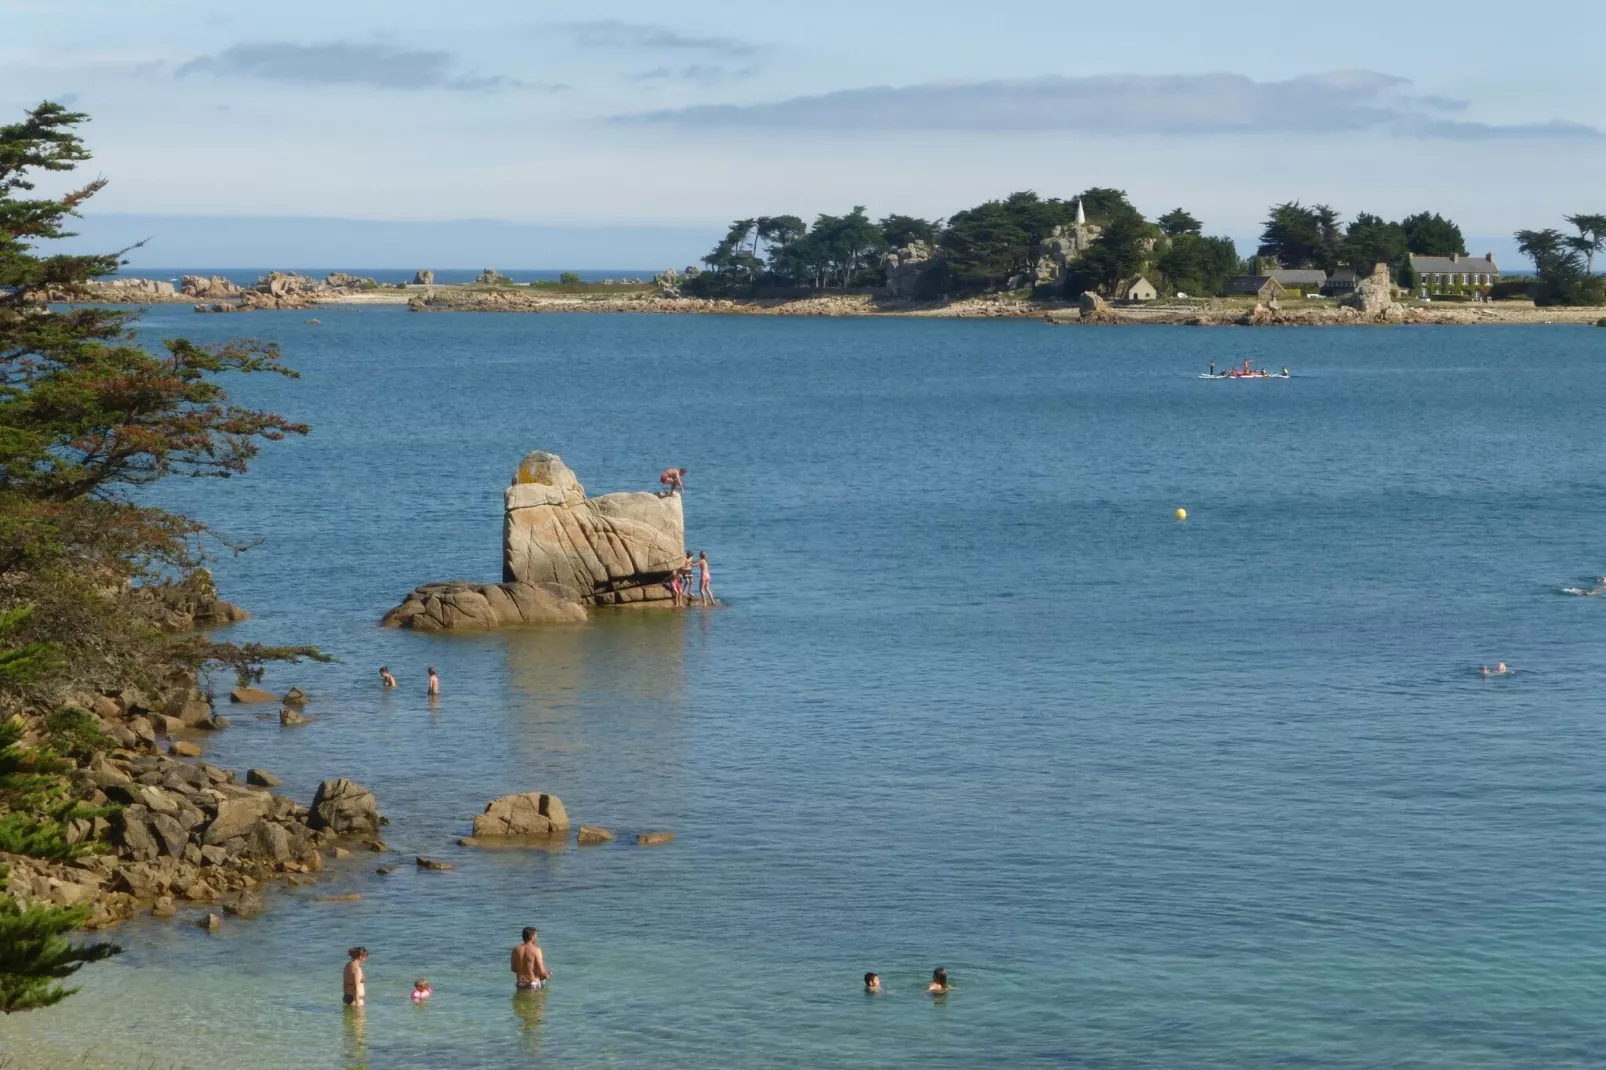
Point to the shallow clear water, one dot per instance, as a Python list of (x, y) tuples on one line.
[(1221, 793)]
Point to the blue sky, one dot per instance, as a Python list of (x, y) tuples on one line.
[(675, 119)]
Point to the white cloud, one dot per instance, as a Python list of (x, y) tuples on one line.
[(347, 63), (1183, 104)]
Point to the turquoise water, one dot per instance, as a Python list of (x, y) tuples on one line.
[(1221, 793)]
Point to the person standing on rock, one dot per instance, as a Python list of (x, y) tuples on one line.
[(529, 965), (674, 479), (705, 590), (355, 992), (434, 683)]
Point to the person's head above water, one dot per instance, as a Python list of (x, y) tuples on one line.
[(872, 981), (529, 933), (939, 977)]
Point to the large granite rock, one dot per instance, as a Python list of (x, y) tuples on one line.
[(611, 549), (423, 277), (214, 286), (346, 807), (906, 270), (437, 607), (531, 813)]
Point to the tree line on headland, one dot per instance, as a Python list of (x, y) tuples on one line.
[(1025, 242)]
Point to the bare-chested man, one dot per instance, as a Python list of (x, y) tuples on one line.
[(354, 991), (529, 966)]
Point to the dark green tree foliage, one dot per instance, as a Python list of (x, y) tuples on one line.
[(1178, 222), (1293, 235), (1103, 205), (88, 415), (1197, 265), (900, 230), (1563, 275), (1298, 236), (1115, 254), (1590, 239), (1432, 235), (993, 242), (34, 954), (1371, 241)]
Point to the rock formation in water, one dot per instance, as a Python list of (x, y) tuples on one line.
[(423, 277), (438, 607), (614, 548), (561, 552)]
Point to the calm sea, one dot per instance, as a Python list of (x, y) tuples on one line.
[(1227, 792)]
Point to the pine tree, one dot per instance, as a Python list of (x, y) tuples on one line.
[(35, 956)]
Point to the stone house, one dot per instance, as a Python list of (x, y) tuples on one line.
[(1137, 288), (1437, 274), (1263, 287)]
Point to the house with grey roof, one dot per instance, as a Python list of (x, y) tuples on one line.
[(1264, 287), (1454, 273), (1301, 279), (1341, 282)]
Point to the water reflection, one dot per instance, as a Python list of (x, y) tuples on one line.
[(530, 1008), (356, 1035)]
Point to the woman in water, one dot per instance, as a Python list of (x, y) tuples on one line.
[(939, 982), (421, 990), (385, 679)]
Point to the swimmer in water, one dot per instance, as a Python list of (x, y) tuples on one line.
[(421, 990), (1498, 670), (385, 679), (939, 982), (872, 984)]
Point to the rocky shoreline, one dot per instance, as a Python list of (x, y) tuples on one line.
[(288, 291), (183, 833)]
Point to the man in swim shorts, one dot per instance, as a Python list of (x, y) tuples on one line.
[(529, 966)]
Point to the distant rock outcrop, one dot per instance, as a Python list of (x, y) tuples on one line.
[(1374, 296), (214, 287), (423, 277), (905, 268)]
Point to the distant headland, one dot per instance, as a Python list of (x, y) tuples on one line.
[(1091, 259)]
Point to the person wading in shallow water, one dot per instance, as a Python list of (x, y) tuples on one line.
[(705, 591), (434, 683), (385, 679), (529, 965), (354, 991)]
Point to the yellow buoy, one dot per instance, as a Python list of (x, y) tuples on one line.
[(1182, 514)]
